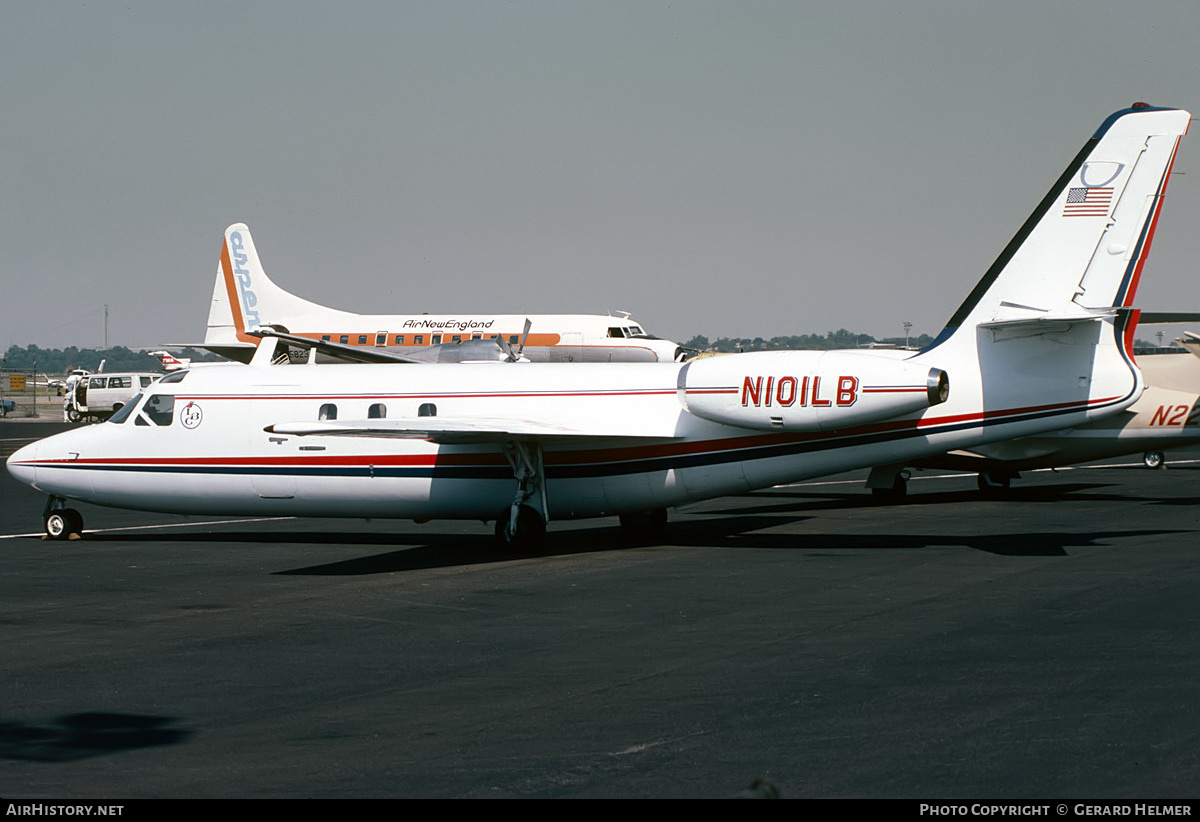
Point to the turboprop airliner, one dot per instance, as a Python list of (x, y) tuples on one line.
[(244, 299), (1042, 342)]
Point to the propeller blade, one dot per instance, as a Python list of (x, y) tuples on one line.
[(525, 336)]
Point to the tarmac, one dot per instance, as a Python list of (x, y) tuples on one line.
[(803, 638)]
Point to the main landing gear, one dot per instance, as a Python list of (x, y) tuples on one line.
[(888, 483), (1154, 459), (993, 482), (523, 524), (61, 522)]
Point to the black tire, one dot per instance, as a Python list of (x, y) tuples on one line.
[(896, 493), (61, 524), (530, 531), (1154, 459), (72, 415)]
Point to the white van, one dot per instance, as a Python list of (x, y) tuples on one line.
[(98, 396)]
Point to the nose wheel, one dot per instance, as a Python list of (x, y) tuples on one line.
[(61, 522)]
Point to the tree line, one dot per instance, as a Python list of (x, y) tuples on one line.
[(804, 342), (58, 361)]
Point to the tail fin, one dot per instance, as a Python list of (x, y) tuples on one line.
[(1080, 254), (1050, 324), (169, 361), (244, 298)]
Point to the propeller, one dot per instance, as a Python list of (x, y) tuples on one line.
[(506, 346)]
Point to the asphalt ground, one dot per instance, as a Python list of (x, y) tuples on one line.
[(1040, 645)]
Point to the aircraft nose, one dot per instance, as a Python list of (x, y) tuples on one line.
[(21, 464)]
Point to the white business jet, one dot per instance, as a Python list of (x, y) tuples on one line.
[(1041, 343), (244, 299)]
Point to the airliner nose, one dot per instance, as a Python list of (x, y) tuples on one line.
[(20, 464)]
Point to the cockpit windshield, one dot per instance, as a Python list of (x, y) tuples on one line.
[(125, 410)]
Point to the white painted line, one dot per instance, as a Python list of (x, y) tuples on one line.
[(152, 527)]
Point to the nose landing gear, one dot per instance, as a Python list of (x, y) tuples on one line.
[(61, 522)]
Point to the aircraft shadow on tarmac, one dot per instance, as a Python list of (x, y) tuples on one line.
[(833, 501), (84, 735), (1036, 544), (739, 527)]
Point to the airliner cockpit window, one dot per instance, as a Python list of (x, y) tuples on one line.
[(125, 410), (160, 409)]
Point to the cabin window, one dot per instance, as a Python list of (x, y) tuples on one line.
[(344, 339), (362, 339), (399, 340), (513, 339), (477, 336), (324, 338), (328, 412), (418, 339), (160, 409), (427, 409), (456, 338), (436, 339), (377, 411)]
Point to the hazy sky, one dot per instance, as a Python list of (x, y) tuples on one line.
[(724, 168)]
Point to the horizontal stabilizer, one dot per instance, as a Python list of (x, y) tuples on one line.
[(1032, 326), (1164, 317)]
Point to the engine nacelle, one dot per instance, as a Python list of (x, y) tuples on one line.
[(808, 390)]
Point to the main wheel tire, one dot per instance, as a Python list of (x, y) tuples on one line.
[(1154, 459), (530, 530), (897, 492)]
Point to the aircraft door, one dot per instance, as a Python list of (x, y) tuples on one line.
[(274, 477), (570, 347)]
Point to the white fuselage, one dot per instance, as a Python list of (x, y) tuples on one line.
[(638, 447)]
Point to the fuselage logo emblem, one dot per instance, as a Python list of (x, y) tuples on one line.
[(191, 415)]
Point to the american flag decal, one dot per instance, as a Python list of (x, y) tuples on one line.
[(1088, 202)]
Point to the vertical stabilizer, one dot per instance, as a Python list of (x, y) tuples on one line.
[(1081, 252), (1050, 324), (244, 298)]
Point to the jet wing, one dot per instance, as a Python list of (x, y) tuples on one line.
[(456, 430), (347, 353)]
